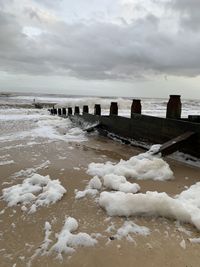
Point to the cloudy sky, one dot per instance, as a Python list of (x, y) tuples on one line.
[(101, 47)]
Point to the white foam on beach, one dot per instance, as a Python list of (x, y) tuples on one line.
[(109, 181), (31, 125), (4, 157), (31, 171), (52, 129), (34, 192), (19, 117), (91, 189), (6, 162), (183, 244), (57, 128), (67, 241), (191, 195), (42, 250), (144, 166), (47, 241), (130, 227), (184, 207), (86, 192), (119, 183)]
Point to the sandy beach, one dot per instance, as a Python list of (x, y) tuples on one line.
[(22, 234)]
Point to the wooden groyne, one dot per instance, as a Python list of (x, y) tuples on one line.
[(173, 132)]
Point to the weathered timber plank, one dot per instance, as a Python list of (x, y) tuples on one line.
[(175, 144), (92, 128)]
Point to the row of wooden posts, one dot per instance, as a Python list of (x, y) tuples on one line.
[(173, 108)]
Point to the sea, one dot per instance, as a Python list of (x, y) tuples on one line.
[(150, 106)]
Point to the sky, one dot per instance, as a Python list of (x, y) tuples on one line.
[(147, 48)]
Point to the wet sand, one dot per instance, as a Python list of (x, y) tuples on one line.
[(21, 233)]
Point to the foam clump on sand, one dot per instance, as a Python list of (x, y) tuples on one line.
[(95, 183), (34, 191), (67, 241), (191, 195), (91, 189), (184, 207), (31, 171), (130, 227), (142, 167), (86, 192), (183, 244), (119, 183), (113, 176), (42, 250), (109, 181), (6, 162)]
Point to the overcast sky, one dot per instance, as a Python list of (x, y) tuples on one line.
[(101, 47)]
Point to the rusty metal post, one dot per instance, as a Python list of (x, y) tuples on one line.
[(97, 109), (64, 111), (59, 111), (69, 111), (136, 107), (113, 108), (76, 110), (174, 107), (85, 109)]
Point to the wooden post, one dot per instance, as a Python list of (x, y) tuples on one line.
[(113, 108), (97, 109), (64, 111), (174, 107), (51, 110), (55, 111), (76, 110), (85, 109), (69, 111), (59, 111), (136, 107)]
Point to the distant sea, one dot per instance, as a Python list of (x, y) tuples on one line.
[(150, 106)]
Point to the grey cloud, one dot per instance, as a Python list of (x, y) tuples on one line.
[(32, 13), (98, 50), (187, 5), (188, 11)]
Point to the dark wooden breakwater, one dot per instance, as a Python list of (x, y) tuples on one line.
[(173, 132)]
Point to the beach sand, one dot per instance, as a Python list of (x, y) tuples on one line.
[(21, 234)]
